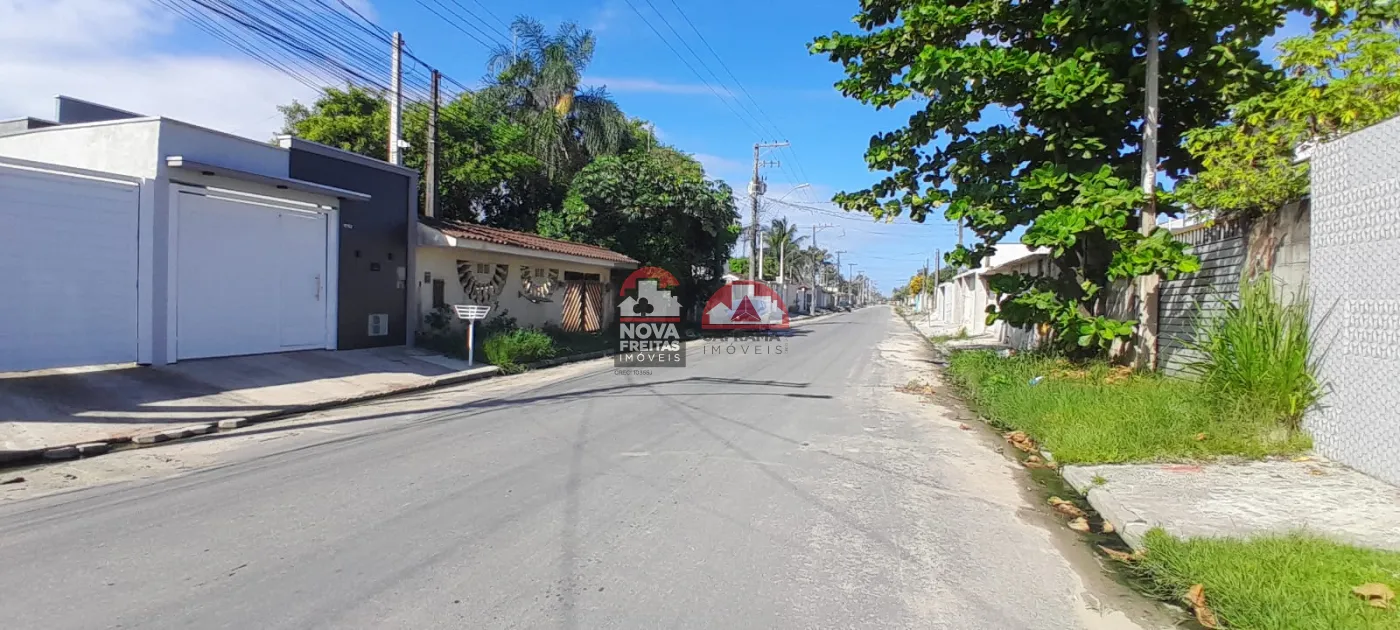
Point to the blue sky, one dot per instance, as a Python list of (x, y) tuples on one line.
[(135, 55)]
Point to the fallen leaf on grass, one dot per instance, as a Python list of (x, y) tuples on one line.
[(1067, 508), (1020, 440), (1375, 594), (1108, 528), (1121, 556), (1200, 437), (1196, 596), (1080, 525)]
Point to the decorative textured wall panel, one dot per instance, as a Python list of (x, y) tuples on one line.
[(1355, 285)]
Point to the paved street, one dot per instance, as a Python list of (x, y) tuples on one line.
[(792, 490)]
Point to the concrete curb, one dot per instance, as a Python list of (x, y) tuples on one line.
[(93, 448), (1131, 527)]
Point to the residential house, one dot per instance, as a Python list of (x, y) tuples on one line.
[(133, 238), (537, 281), (962, 301)]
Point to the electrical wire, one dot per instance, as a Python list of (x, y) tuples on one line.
[(454, 24), (687, 63)]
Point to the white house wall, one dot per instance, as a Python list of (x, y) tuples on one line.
[(138, 148), (122, 147), (441, 263), (207, 146)]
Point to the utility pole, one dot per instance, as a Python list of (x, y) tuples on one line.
[(756, 189), (782, 255), (1146, 350), (396, 101), (838, 270), (850, 289), (430, 173), (761, 246), (816, 271), (937, 272)]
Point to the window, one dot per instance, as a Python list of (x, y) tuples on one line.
[(539, 272), (483, 268), (439, 289)]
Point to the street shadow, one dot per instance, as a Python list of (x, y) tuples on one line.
[(205, 389), (486, 405)]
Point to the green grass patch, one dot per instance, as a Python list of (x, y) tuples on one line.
[(1097, 413), (1295, 582), (513, 350)]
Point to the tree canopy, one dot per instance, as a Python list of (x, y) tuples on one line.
[(536, 151), (1339, 78), (653, 204), (1028, 115), (487, 172)]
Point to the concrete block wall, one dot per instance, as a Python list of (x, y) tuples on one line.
[(1355, 270)]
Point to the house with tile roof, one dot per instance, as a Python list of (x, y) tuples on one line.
[(537, 281)]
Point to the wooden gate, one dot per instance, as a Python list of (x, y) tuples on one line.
[(583, 307)]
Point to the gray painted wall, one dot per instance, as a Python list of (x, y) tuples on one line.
[(1355, 262), (1276, 243), (1221, 250), (374, 247)]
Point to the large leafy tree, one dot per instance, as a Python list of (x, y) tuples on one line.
[(1027, 115), (652, 204), (1337, 79), (538, 81), (488, 173)]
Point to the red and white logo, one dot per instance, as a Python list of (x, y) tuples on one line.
[(745, 305)]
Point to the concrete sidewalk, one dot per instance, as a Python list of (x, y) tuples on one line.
[(947, 334), (51, 408), (1242, 500)]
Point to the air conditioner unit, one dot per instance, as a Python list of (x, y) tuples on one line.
[(378, 324)]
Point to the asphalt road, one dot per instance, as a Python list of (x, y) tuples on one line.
[(792, 490)]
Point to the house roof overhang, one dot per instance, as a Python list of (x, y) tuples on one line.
[(429, 236), (281, 183)]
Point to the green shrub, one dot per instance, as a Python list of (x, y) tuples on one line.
[(1097, 413), (1258, 354), (513, 350)]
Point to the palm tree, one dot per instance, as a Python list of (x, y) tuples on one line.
[(781, 240), (537, 82)]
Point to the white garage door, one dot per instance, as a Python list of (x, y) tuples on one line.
[(67, 269), (250, 277)]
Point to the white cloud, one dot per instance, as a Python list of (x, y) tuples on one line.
[(717, 167), (100, 50), (652, 86)]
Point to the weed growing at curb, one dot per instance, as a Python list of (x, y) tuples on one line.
[(1293, 582)]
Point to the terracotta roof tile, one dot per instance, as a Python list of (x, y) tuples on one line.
[(500, 236)]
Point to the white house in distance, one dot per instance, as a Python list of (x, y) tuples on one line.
[(536, 280), (962, 301)]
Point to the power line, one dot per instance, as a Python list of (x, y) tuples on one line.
[(797, 162), (493, 15), (459, 21), (464, 9), (697, 74)]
